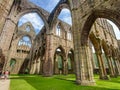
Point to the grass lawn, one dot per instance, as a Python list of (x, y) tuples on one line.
[(59, 82)]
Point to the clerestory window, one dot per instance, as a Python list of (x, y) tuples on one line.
[(58, 31)]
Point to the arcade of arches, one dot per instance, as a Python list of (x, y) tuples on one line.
[(60, 48)]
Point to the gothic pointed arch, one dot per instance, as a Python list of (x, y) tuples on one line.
[(59, 58), (108, 14), (55, 13)]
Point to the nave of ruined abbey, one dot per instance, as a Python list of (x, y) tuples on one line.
[(89, 46)]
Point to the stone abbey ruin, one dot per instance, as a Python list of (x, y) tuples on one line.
[(60, 48)]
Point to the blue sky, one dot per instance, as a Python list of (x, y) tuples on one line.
[(34, 18), (116, 30), (65, 16), (49, 5)]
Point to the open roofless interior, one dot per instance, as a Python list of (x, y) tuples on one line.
[(61, 37)]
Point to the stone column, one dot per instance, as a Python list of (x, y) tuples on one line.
[(82, 61), (86, 70), (65, 69), (32, 71), (102, 69), (113, 66), (110, 66), (37, 66), (115, 59), (76, 40), (56, 70), (73, 65), (89, 63), (41, 67), (48, 64), (118, 65)]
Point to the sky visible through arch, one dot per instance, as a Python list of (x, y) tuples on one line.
[(49, 5), (35, 20), (116, 30)]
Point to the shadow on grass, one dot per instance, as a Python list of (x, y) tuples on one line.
[(52, 83)]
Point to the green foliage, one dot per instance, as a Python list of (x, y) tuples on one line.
[(60, 62), (95, 59), (59, 82), (69, 63)]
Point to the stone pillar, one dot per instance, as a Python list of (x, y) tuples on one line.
[(83, 75), (73, 65), (41, 67), (86, 70), (115, 59), (65, 68), (89, 64), (110, 66), (113, 67), (37, 66), (116, 67), (32, 71), (48, 64), (56, 70), (102, 69)]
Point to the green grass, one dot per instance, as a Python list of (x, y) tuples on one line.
[(59, 82)]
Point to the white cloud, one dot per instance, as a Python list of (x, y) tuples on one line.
[(54, 3), (65, 16), (48, 5), (34, 19)]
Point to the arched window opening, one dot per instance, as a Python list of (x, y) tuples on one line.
[(65, 16), (25, 41), (69, 63), (34, 19), (104, 39), (58, 50), (58, 61), (60, 66), (69, 35), (12, 64), (28, 28), (115, 30), (24, 45), (58, 30)]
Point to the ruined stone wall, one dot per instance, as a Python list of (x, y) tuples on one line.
[(5, 7), (20, 52), (119, 44), (104, 30), (84, 13)]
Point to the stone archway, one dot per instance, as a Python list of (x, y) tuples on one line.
[(81, 29), (71, 62), (55, 13), (90, 19), (59, 61)]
